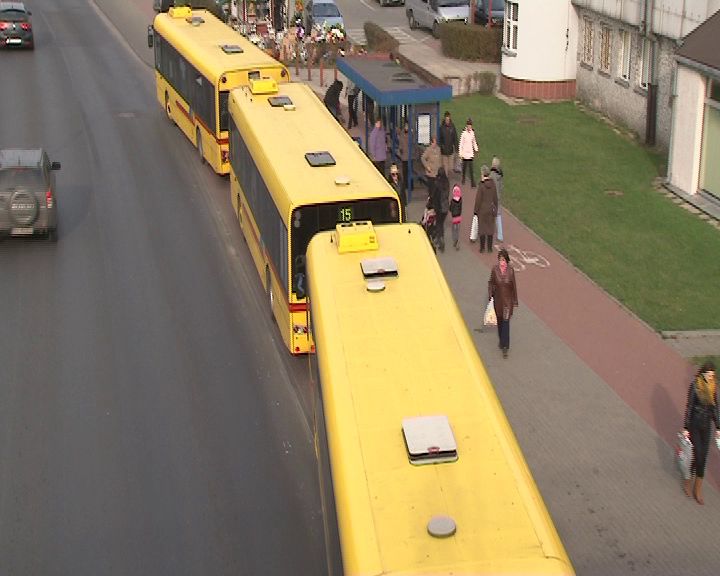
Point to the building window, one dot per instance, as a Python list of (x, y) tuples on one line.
[(644, 63), (605, 43), (624, 55), (587, 55), (714, 91), (510, 34)]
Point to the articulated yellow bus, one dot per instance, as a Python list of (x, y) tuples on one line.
[(420, 471), (294, 171), (198, 60)]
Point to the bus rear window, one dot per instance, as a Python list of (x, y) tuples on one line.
[(309, 220)]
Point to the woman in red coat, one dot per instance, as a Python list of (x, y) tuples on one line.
[(503, 289)]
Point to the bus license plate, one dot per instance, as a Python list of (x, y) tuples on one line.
[(21, 231)]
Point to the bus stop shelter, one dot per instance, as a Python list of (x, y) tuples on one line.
[(397, 94)]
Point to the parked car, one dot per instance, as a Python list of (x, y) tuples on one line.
[(497, 14), (27, 193), (431, 13), (318, 12), (15, 25)]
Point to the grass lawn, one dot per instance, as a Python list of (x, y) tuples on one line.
[(588, 192)]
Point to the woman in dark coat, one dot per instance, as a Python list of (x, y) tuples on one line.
[(441, 203), (332, 99), (486, 202), (701, 413), (503, 289)]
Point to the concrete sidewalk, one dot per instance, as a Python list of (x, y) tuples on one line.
[(596, 428), (595, 397)]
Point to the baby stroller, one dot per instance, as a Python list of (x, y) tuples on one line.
[(429, 223)]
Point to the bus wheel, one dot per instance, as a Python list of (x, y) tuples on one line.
[(167, 108), (198, 140), (270, 295)]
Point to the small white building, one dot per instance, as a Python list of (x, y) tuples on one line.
[(539, 40), (694, 158), (617, 56)]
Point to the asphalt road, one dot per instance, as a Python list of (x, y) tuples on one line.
[(392, 18), (150, 420)]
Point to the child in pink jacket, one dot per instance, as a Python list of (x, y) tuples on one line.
[(456, 214)]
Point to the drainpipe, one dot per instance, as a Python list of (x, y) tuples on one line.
[(652, 89)]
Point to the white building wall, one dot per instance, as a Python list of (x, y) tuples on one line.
[(686, 139), (547, 40)]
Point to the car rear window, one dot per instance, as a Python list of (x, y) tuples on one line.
[(21, 177), (13, 16)]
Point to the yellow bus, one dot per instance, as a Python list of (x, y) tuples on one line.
[(198, 60), (294, 171), (420, 471)]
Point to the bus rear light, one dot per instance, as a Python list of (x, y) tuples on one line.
[(299, 329), (49, 198)]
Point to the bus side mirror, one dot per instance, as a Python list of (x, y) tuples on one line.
[(150, 36)]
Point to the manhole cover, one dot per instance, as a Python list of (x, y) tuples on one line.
[(528, 120)]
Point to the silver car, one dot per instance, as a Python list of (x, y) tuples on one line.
[(319, 12), (28, 205)]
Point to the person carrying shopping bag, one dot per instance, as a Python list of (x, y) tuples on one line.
[(502, 289), (701, 412), (496, 174)]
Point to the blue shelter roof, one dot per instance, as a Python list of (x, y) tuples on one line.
[(388, 83)]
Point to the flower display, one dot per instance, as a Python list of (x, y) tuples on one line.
[(332, 34)]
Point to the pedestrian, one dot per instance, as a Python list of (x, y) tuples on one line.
[(486, 209), (701, 413), (399, 186), (428, 222), (456, 214), (467, 149), (377, 146), (351, 92), (332, 99), (441, 205), (448, 142), (503, 290), (430, 160), (496, 174), (369, 108), (403, 141)]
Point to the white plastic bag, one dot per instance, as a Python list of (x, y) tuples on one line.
[(474, 228), (490, 318), (684, 455)]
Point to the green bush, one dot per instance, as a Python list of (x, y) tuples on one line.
[(378, 40), (481, 82), (472, 43)]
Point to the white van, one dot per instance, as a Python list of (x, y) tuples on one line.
[(432, 13)]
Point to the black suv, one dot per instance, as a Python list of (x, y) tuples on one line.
[(15, 25), (27, 193)]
